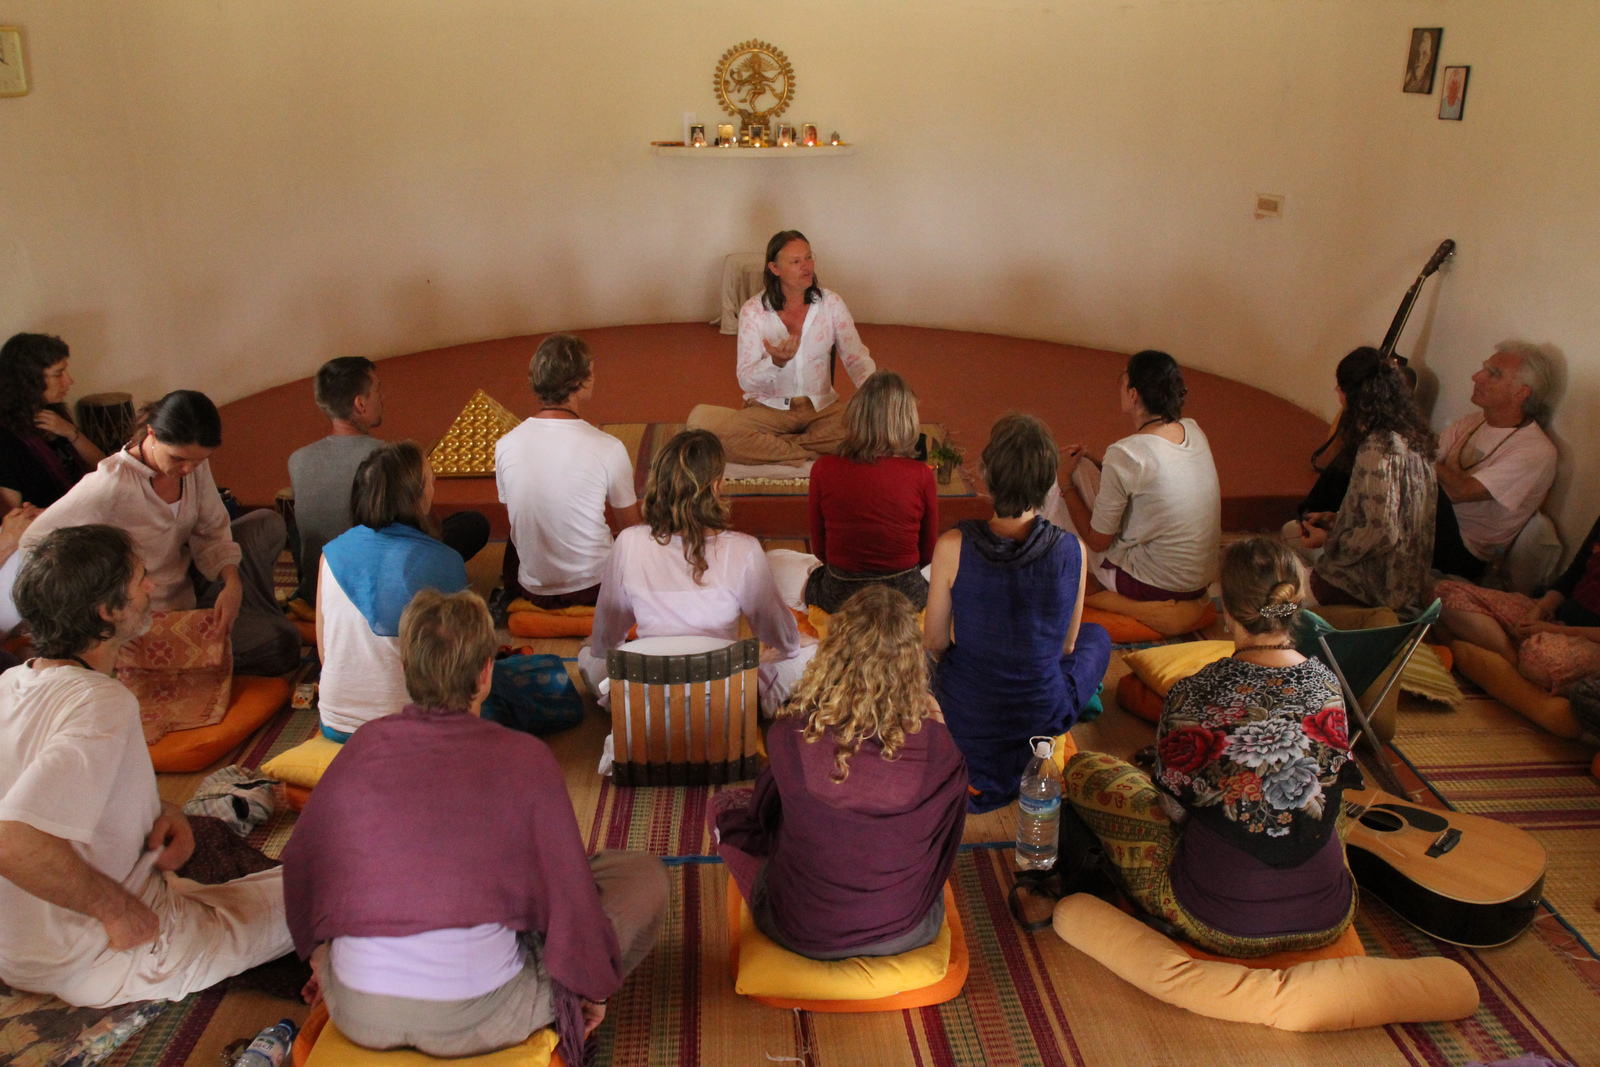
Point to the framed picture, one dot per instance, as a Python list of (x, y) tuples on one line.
[(1453, 100), (1422, 59), (808, 135), (13, 78), (725, 137), (697, 135)]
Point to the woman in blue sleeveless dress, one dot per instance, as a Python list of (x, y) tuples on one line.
[(1005, 607)]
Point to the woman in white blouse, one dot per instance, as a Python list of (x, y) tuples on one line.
[(683, 573)]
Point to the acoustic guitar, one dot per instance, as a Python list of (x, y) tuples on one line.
[(1461, 878)]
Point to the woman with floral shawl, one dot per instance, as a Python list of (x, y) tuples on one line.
[(1234, 838)]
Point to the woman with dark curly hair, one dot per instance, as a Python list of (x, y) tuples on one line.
[(42, 454), (1232, 839), (684, 573), (1376, 549)]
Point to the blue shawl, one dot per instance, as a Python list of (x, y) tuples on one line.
[(381, 570)]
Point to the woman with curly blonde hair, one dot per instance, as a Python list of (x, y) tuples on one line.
[(683, 573), (843, 846)]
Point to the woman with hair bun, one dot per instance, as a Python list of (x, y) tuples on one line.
[(874, 509), (1156, 512), (1378, 545), (843, 847), (684, 573), (159, 489), (1233, 838)]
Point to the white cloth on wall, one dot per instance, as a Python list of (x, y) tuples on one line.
[(741, 279)]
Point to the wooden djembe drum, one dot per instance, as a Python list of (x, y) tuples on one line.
[(107, 418)]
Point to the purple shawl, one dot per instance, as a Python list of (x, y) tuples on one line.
[(431, 820), (857, 862)]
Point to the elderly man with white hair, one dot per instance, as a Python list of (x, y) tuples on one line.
[(1496, 464)]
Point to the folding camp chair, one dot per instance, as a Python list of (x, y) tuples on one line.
[(1359, 658)]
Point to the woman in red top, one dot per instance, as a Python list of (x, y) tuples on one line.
[(874, 509)]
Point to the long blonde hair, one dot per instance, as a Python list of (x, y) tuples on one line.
[(681, 498), (869, 678), (881, 419)]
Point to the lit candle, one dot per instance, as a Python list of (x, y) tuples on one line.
[(835, 138), (785, 136), (725, 135), (808, 135)]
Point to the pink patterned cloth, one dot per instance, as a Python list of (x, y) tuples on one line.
[(1552, 661), (181, 671)]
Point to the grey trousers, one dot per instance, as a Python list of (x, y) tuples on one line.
[(633, 893), (265, 641)]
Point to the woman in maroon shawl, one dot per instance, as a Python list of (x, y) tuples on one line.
[(42, 454), (844, 845), (436, 878)]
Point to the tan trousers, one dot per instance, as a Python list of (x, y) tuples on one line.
[(760, 434), (207, 933), (633, 893)]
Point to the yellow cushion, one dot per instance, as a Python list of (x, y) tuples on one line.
[(333, 1049), (1328, 994), (304, 764), (1164, 666), (766, 970), (1501, 680)]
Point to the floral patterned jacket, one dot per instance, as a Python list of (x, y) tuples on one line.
[(1259, 754)]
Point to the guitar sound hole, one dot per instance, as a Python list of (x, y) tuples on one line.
[(1385, 821)]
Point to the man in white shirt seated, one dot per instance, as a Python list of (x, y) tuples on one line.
[(89, 907), (556, 474), (787, 335), (1496, 465)]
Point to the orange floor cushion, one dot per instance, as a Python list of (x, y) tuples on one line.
[(525, 620), (1139, 699), (320, 1044), (252, 702), (1348, 944), (777, 965), (1123, 630), (1157, 617)]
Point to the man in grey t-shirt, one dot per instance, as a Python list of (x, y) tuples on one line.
[(348, 392)]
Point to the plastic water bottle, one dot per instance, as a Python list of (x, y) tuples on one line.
[(1039, 817), (271, 1046)]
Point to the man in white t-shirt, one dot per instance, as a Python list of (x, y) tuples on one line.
[(1497, 465), (556, 474), (89, 907)]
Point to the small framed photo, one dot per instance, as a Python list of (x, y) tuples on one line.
[(1453, 99), (725, 137), (13, 76), (697, 135), (808, 134), (1422, 60)]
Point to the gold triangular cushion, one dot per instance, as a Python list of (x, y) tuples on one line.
[(467, 450)]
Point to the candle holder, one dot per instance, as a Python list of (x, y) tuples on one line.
[(835, 138), (725, 137), (697, 136), (808, 135), (785, 135)]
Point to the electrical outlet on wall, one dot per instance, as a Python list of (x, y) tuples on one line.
[(1269, 206)]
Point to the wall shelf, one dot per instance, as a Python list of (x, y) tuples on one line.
[(796, 152)]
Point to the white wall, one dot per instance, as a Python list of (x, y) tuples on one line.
[(223, 195)]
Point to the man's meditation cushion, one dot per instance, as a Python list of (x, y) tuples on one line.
[(251, 703), (1328, 994), (1123, 630), (1165, 617), (773, 975), (320, 1044), (1501, 680), (1348, 944), (525, 620), (1138, 699), (302, 767), (1165, 666)]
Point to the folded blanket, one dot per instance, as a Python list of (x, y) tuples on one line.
[(181, 671)]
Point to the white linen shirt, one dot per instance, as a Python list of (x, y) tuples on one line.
[(827, 322), (1162, 504), (1518, 474)]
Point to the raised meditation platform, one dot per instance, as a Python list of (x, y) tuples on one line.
[(656, 374)]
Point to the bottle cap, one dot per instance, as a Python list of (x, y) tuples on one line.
[(1042, 746)]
